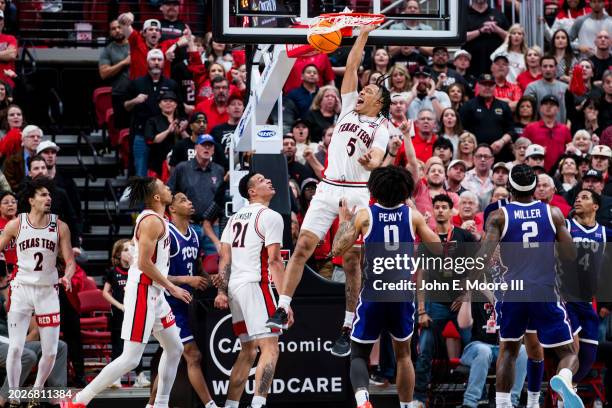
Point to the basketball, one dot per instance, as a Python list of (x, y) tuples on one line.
[(325, 43)]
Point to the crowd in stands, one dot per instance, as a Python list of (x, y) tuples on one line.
[(459, 121)]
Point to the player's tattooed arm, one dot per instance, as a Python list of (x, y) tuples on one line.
[(225, 267), (492, 235), (351, 225)]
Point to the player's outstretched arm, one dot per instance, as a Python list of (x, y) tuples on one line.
[(566, 249), (67, 253), (351, 225), (349, 82), (428, 237), (149, 231)]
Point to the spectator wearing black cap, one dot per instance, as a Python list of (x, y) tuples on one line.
[(485, 28), (143, 102), (223, 132), (184, 149), (548, 132), (440, 71), (489, 119), (297, 171), (199, 179), (424, 95), (162, 131), (303, 95), (505, 90), (172, 26)]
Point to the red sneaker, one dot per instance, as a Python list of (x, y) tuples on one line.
[(366, 404), (70, 404)]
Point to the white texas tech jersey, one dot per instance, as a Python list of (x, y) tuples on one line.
[(37, 252), (161, 255), (249, 232), (353, 136)]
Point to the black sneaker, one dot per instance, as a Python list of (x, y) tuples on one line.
[(342, 346), (378, 380), (278, 320)]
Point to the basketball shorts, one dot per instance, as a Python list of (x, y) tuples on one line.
[(180, 310), (146, 312), (548, 319), (323, 208), (42, 301), (584, 321), (251, 304), (371, 318)]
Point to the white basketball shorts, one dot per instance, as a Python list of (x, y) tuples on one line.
[(251, 304), (324, 206), (146, 312), (40, 300)]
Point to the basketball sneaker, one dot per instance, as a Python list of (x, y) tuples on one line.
[(279, 320), (562, 385), (70, 404), (366, 404), (342, 346)]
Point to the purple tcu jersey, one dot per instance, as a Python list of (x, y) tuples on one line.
[(184, 251), (527, 245)]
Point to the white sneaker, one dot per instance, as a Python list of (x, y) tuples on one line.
[(116, 384), (142, 381), (560, 384)]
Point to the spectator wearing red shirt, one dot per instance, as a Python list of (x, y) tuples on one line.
[(11, 142), (425, 138), (547, 193), (141, 43), (321, 61), (215, 108), (8, 211), (469, 218), (8, 55), (548, 132), (504, 90), (533, 71)]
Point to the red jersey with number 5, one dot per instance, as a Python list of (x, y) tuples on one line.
[(37, 252), (354, 135)]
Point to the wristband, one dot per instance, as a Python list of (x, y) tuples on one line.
[(392, 155), (431, 98), (422, 313)]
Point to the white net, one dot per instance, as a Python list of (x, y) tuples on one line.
[(328, 23)]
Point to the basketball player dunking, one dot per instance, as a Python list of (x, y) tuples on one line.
[(146, 308), (357, 147), (39, 236)]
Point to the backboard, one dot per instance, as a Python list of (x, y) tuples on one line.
[(285, 21)]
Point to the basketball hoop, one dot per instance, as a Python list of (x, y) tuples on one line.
[(331, 23), (343, 22)]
